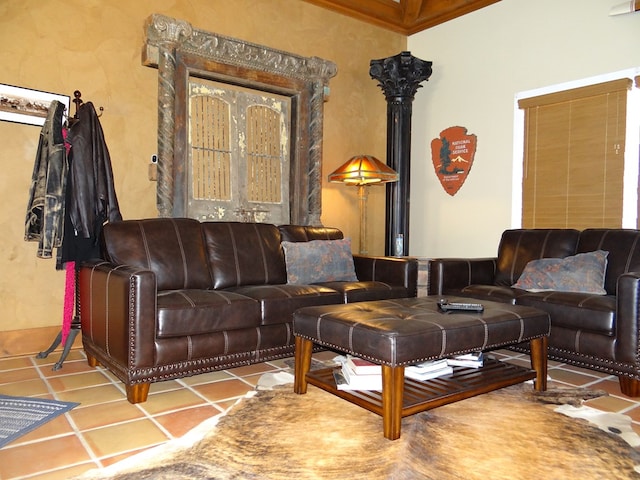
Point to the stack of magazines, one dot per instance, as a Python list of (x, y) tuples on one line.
[(358, 374), (473, 360), (429, 369)]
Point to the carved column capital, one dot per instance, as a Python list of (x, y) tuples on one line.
[(400, 76), (165, 30), (321, 69)]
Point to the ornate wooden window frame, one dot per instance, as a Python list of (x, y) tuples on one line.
[(178, 51)]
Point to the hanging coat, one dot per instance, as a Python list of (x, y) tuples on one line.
[(93, 197), (46, 207)]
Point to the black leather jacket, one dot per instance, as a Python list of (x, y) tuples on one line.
[(45, 210), (92, 197)]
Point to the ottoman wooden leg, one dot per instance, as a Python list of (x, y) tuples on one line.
[(304, 348), (392, 389), (539, 362)]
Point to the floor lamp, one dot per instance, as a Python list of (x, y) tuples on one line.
[(362, 171)]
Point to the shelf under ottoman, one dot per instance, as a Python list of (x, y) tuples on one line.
[(419, 396)]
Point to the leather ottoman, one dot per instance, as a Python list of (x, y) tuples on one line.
[(395, 333)]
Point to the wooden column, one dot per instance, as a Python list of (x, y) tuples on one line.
[(399, 77)]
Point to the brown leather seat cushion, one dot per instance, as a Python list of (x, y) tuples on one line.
[(278, 302), (366, 291), (194, 312)]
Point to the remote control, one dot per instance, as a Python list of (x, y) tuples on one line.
[(447, 306)]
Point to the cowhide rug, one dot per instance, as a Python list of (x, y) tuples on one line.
[(278, 435)]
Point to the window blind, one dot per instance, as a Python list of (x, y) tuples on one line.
[(574, 157)]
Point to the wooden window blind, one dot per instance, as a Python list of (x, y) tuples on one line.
[(574, 157)]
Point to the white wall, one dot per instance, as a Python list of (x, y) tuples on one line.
[(480, 62)]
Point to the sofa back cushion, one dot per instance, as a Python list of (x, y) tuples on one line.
[(173, 248), (623, 246), (518, 247), (244, 254), (306, 233)]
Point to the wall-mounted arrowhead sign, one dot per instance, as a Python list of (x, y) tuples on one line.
[(452, 155)]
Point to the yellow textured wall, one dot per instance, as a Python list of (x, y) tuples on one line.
[(95, 46)]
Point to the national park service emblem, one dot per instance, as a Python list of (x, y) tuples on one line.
[(452, 155)]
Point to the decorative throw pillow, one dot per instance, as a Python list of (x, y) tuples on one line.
[(583, 273), (319, 261)]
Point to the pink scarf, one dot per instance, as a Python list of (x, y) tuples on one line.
[(69, 299)]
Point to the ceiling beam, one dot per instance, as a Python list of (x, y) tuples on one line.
[(383, 13), (403, 16), (411, 10), (435, 12)]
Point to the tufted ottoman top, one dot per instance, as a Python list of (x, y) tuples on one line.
[(411, 330)]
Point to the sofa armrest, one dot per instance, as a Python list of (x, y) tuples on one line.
[(118, 311), (450, 275), (392, 270), (627, 318)]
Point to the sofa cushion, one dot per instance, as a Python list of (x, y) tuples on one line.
[(278, 302), (244, 254), (172, 248), (195, 312), (367, 291), (306, 233), (518, 247), (319, 261), (494, 293), (623, 246), (582, 273), (575, 311)]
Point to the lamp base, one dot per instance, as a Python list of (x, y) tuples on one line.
[(362, 197)]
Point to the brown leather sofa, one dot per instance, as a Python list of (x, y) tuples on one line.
[(174, 297), (598, 332)]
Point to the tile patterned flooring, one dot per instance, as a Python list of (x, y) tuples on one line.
[(105, 428)]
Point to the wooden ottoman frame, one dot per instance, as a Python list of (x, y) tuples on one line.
[(395, 333)]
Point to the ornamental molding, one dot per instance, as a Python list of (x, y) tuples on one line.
[(165, 31)]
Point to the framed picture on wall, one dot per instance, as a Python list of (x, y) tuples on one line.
[(24, 105)]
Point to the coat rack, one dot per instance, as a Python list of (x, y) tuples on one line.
[(76, 325), (77, 100)]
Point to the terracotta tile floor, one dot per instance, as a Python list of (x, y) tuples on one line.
[(106, 428)]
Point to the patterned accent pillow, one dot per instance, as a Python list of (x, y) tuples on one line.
[(582, 273), (319, 261)]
